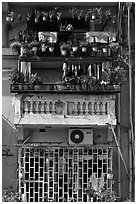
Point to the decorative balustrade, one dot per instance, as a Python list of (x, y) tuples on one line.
[(61, 108)]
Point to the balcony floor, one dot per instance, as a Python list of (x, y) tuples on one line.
[(48, 119)]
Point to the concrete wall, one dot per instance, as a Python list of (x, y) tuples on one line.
[(9, 136), (61, 134)]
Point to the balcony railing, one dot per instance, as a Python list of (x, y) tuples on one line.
[(79, 109), (95, 88)]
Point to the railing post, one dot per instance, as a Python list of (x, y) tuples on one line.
[(92, 108), (86, 108), (76, 110), (98, 107), (42, 106), (81, 108), (31, 106), (53, 108), (47, 108), (25, 107), (37, 107), (103, 107)]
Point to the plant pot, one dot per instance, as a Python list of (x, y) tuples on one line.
[(51, 87), (23, 51), (34, 49), (14, 87), (30, 87), (116, 87), (20, 87), (43, 48), (37, 87), (78, 87), (8, 18), (84, 49), (51, 49), (73, 87), (63, 52), (84, 87), (62, 87), (74, 49), (25, 86)]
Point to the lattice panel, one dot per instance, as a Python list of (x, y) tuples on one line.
[(61, 173)]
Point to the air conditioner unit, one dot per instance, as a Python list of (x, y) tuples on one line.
[(81, 136)]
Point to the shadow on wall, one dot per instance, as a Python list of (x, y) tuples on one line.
[(9, 155)]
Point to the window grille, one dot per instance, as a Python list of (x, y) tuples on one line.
[(61, 173)]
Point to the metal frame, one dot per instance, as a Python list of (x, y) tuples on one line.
[(61, 173)]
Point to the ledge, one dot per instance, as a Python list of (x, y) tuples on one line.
[(71, 59), (9, 57), (32, 119)]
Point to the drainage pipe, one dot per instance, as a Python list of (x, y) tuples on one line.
[(119, 141), (131, 140)]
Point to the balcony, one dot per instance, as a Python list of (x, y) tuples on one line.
[(65, 109)]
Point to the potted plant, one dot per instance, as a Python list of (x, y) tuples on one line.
[(114, 46), (118, 75), (16, 45), (17, 79), (62, 85), (24, 49), (83, 47), (34, 46), (97, 192), (36, 81), (65, 48)]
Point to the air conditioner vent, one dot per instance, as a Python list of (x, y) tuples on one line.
[(81, 136)]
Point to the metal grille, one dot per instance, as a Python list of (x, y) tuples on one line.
[(61, 173)]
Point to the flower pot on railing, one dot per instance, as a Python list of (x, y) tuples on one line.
[(63, 52), (35, 80), (17, 79), (23, 51), (78, 87), (65, 48), (20, 87), (84, 87), (84, 51), (16, 46), (25, 86), (14, 87), (37, 86), (62, 87), (30, 86), (34, 47), (116, 87), (51, 87)]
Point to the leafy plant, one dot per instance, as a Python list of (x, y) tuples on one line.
[(10, 196), (65, 46), (98, 192), (35, 79), (16, 77), (118, 75), (33, 44), (15, 46)]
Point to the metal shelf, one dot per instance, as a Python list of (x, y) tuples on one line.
[(62, 59)]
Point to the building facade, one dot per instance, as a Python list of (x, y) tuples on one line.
[(67, 120)]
